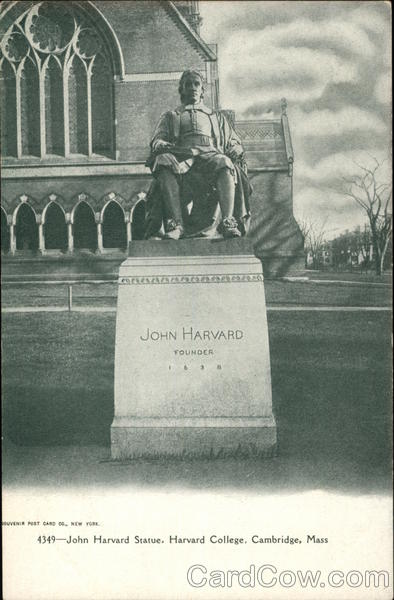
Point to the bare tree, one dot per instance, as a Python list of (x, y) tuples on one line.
[(375, 199), (352, 247), (314, 239), (362, 244)]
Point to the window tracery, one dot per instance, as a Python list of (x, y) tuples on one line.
[(57, 85)]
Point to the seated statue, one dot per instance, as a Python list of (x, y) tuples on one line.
[(200, 186)]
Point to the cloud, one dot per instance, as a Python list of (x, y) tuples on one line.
[(342, 36), (375, 18), (368, 17), (341, 165), (383, 88), (319, 191), (331, 60), (328, 122), (298, 50), (253, 15), (329, 209), (265, 72)]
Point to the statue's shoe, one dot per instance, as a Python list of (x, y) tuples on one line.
[(173, 229), (174, 234), (229, 228)]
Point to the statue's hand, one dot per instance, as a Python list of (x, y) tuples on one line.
[(161, 145), (234, 153)]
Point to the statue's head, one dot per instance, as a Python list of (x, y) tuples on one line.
[(191, 87)]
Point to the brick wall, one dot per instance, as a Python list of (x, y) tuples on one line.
[(276, 235), (151, 42), (150, 39), (139, 106)]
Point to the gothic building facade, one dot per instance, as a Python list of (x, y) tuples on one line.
[(82, 86)]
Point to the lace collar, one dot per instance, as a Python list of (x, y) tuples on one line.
[(198, 106)]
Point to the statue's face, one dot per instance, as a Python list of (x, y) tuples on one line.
[(192, 89)]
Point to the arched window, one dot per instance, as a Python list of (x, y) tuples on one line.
[(101, 105), (8, 109), (138, 221), (26, 229), (114, 227), (57, 77), (54, 107), (85, 230), (78, 107), (55, 228), (5, 234), (30, 108)]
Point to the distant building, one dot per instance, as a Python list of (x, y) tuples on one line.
[(82, 87)]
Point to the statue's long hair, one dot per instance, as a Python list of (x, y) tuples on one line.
[(184, 76)]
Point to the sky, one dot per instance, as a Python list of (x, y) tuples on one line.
[(332, 62)]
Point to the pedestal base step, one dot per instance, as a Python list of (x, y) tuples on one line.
[(200, 437)]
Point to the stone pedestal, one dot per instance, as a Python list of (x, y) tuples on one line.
[(192, 363)]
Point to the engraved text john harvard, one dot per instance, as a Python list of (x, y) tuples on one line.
[(191, 334)]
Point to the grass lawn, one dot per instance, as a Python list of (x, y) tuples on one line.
[(331, 377), (355, 275)]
